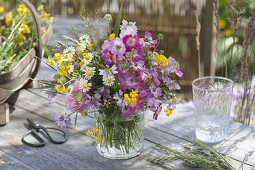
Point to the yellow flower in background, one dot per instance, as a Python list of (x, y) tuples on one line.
[(40, 8), (90, 45), (95, 130), (98, 139), (88, 133), (49, 62), (161, 60), (8, 18), (111, 36), (168, 112), (25, 29), (228, 33), (22, 10), (43, 30), (173, 100), (1, 9), (59, 88), (57, 56), (222, 24)]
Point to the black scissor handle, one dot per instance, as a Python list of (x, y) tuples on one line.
[(36, 136), (45, 129)]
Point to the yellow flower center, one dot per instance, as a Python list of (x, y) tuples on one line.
[(85, 85), (161, 60), (108, 80), (88, 73)]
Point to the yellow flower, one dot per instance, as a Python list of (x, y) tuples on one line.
[(22, 10), (49, 62), (59, 88), (1, 9), (88, 133), (111, 36), (81, 63), (85, 56), (222, 24), (168, 112), (62, 73), (57, 56), (43, 30), (131, 98), (40, 8), (161, 60), (173, 100), (228, 33), (90, 45), (68, 90), (25, 29), (133, 94), (95, 130), (8, 18), (98, 139)]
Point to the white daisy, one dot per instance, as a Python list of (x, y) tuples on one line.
[(84, 39), (108, 71), (87, 58), (85, 85), (88, 72), (70, 50), (70, 68), (108, 80), (67, 57)]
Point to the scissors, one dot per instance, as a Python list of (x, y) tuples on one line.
[(45, 131)]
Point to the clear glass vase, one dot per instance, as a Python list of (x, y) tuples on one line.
[(121, 139)]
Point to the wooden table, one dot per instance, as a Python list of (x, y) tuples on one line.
[(79, 152)]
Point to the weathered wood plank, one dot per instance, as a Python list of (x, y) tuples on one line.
[(4, 113), (156, 133), (8, 162)]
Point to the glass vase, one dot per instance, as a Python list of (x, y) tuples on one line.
[(121, 139)]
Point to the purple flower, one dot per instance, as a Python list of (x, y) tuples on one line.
[(117, 47), (127, 28), (137, 66), (50, 96), (148, 41), (174, 67), (108, 57), (77, 101), (63, 119), (129, 81), (95, 102), (131, 42), (130, 110)]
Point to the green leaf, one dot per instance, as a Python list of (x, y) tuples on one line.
[(47, 51), (118, 21)]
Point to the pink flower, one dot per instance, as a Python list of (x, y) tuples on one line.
[(130, 110), (131, 42), (77, 101)]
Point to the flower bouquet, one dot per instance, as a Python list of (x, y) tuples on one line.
[(117, 81)]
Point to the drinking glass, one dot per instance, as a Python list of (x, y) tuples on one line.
[(212, 97)]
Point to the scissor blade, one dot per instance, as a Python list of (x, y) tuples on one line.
[(33, 124)]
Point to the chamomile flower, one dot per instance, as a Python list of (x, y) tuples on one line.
[(70, 50), (85, 85), (88, 72), (108, 80), (70, 68), (68, 57), (84, 39), (87, 58), (108, 71)]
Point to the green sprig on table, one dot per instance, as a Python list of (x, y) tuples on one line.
[(196, 154)]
